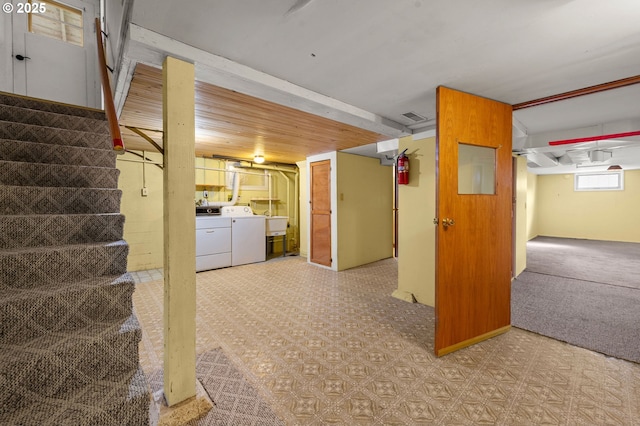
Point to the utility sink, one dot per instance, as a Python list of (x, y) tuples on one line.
[(276, 225)]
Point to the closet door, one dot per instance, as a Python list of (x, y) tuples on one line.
[(321, 212)]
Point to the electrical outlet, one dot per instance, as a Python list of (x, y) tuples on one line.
[(144, 192)]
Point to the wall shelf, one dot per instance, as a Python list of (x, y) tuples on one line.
[(201, 185)]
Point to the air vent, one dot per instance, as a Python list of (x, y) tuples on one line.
[(414, 117)]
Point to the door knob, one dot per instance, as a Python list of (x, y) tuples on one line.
[(22, 58), (446, 222)]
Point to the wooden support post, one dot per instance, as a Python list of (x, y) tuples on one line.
[(178, 115)]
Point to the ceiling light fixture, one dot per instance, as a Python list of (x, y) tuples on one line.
[(258, 159)]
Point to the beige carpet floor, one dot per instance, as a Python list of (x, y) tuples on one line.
[(335, 348)]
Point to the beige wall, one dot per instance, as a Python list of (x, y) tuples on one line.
[(532, 206), (283, 197), (521, 188), (143, 228), (144, 221), (416, 231), (596, 215), (365, 203), (215, 182)]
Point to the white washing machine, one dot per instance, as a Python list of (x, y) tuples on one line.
[(248, 244)]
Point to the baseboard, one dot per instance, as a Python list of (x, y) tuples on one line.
[(404, 295), (472, 341)]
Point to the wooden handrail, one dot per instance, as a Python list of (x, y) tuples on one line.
[(109, 107)]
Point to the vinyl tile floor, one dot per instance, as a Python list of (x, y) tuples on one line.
[(324, 347)]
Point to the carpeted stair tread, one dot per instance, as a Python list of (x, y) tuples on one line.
[(51, 119), (68, 335), (32, 267), (44, 153), (17, 200), (52, 363), (50, 106), (63, 306), (50, 230), (29, 174), (43, 134), (124, 401)]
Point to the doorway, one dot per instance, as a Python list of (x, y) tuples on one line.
[(54, 52)]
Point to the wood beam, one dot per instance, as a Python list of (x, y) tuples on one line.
[(179, 231), (579, 92)]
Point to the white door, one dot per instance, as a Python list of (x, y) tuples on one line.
[(57, 59)]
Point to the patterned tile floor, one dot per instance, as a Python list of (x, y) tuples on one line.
[(335, 348), (148, 275)]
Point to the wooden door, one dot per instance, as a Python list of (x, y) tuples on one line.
[(60, 59), (473, 266), (321, 212)]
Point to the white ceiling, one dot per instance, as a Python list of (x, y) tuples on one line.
[(367, 62)]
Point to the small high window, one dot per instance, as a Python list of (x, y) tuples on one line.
[(599, 181), (57, 21)]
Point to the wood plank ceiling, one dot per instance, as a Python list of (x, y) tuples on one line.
[(231, 124)]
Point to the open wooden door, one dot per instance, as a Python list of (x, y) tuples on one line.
[(320, 200), (474, 180)]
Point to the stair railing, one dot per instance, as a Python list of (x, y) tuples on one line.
[(109, 107)]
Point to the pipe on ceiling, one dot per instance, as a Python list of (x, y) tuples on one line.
[(579, 92), (595, 138)]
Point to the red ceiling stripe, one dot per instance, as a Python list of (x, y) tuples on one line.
[(595, 138)]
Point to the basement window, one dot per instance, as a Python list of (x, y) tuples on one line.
[(600, 181), (57, 21)]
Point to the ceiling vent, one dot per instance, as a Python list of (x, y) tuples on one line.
[(417, 118), (542, 159)]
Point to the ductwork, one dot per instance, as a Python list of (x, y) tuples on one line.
[(598, 156), (542, 159), (234, 196)]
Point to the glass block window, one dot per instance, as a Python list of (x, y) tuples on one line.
[(57, 21), (603, 181)]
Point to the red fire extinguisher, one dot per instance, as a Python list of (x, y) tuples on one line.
[(402, 168)]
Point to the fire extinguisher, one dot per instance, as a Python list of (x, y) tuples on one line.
[(402, 168)]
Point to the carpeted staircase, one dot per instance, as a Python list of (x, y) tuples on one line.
[(68, 336)]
